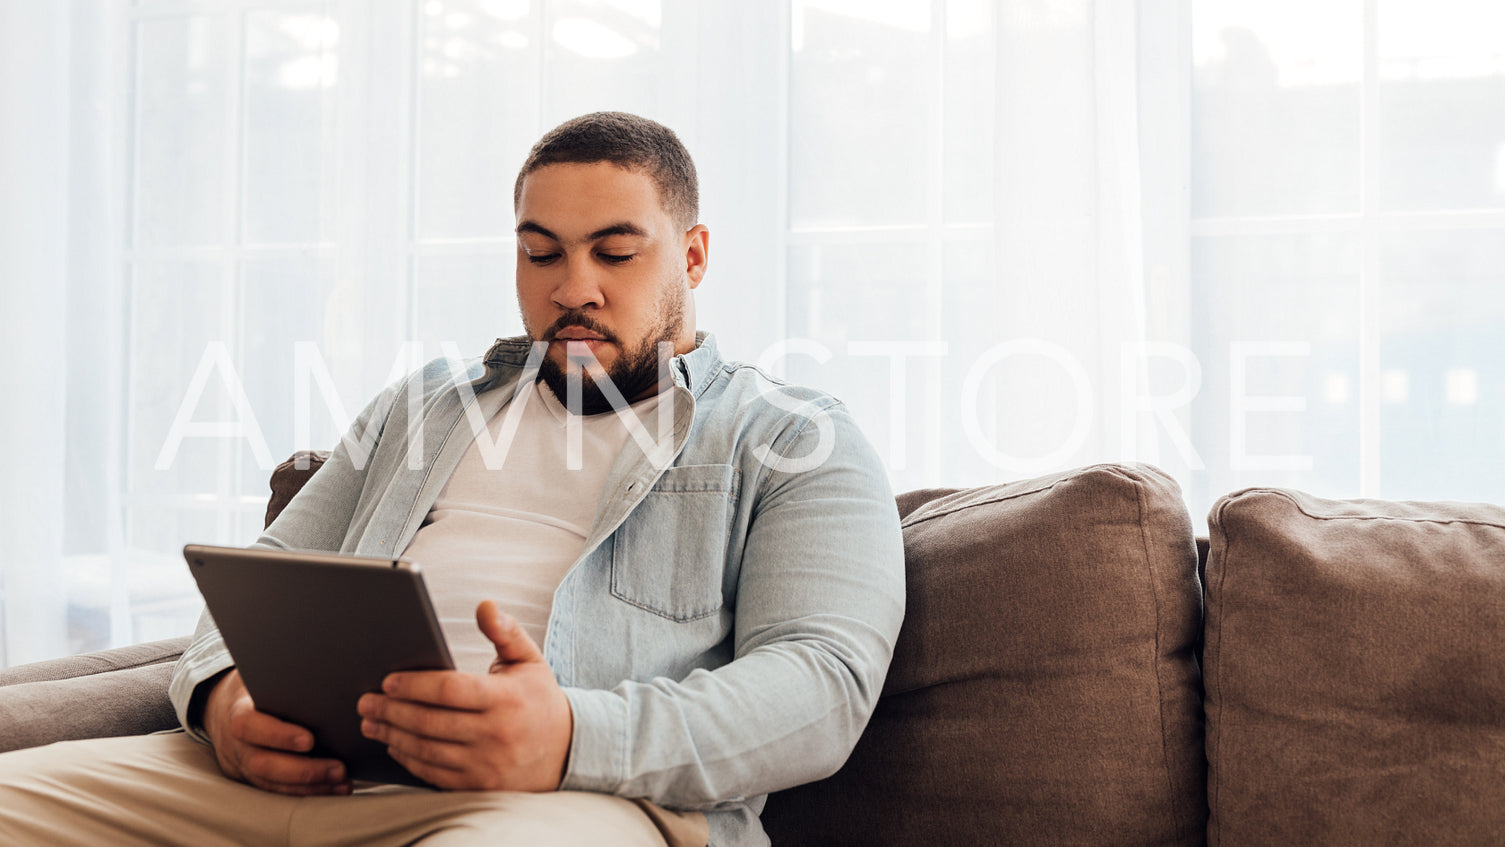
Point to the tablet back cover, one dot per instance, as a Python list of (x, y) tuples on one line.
[(312, 632)]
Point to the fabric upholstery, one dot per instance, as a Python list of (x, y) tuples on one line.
[(111, 692), (120, 658), (289, 477), (1043, 689), (1355, 671)]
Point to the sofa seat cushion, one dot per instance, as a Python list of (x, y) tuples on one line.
[(1355, 671), (1044, 688)]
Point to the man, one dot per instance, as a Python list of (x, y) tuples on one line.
[(710, 560)]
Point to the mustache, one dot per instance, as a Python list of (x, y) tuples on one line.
[(582, 320)]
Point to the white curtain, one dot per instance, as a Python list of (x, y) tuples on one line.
[(1248, 243), (34, 76)]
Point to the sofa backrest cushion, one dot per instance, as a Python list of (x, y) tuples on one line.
[(1355, 671), (1043, 688), (289, 478)]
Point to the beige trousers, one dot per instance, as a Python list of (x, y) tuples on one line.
[(167, 789)]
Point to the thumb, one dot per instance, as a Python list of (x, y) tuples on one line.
[(513, 645)]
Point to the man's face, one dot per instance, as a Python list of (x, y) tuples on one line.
[(604, 275)]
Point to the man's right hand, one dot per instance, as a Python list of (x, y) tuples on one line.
[(266, 752)]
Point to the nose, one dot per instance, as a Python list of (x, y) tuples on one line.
[(578, 288)]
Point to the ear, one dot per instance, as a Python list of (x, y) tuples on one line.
[(697, 253)]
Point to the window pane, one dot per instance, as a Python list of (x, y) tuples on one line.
[(1278, 315), (858, 91), (1020, 397), (605, 55), (161, 596), (175, 318), (969, 110), (1442, 409), (271, 331), (478, 107), (1016, 425), (290, 74), (1275, 109), (467, 300), (182, 98), (842, 295), (1442, 104), (867, 292), (159, 591)]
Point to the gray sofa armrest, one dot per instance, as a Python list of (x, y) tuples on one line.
[(111, 692)]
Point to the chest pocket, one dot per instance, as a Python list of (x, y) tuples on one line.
[(670, 553)]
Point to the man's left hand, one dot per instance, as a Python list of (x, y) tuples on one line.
[(508, 730)]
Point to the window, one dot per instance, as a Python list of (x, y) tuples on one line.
[(1348, 229), (1247, 241)]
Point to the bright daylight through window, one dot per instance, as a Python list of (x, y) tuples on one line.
[(1249, 241)]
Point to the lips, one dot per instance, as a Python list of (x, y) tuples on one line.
[(580, 344), (575, 333), (578, 326)]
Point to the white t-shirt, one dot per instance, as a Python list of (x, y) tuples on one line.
[(510, 532)]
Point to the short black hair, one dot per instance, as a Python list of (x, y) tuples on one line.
[(627, 141)]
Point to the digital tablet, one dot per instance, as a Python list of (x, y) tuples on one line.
[(311, 632)]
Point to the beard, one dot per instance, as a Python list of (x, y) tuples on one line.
[(635, 374)]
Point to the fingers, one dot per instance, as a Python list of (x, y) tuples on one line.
[(260, 729), (513, 644), (439, 777), (267, 753), (405, 747), (418, 719), (288, 773), (439, 761), (257, 748), (274, 769), (320, 790), (449, 689)]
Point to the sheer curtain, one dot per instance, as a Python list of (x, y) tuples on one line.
[(33, 266), (1015, 237)]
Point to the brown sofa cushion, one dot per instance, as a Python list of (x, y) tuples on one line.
[(289, 478), (1355, 670), (1043, 689)]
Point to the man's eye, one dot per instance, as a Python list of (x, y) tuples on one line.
[(616, 259), (542, 258)]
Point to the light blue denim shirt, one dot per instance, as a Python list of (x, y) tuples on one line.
[(727, 629)]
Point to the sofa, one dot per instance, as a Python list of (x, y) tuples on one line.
[(1077, 668)]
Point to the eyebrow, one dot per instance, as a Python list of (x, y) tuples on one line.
[(624, 228)]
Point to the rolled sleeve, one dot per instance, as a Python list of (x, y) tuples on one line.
[(205, 658), (598, 755)]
